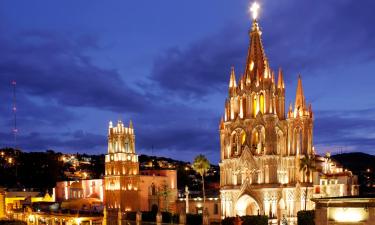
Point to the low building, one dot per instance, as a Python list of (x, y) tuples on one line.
[(16, 199), (2, 203), (91, 188), (158, 189), (331, 179), (59, 218), (344, 210)]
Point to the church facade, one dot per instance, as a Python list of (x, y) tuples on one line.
[(262, 145)]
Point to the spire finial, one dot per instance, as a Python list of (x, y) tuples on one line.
[(254, 10), (232, 82), (300, 97)]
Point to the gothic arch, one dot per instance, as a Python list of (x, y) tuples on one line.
[(126, 145), (258, 137), (262, 103), (238, 140), (280, 142), (233, 143), (246, 205), (298, 140), (254, 104)]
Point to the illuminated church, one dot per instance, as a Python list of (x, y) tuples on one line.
[(262, 146), (126, 188)]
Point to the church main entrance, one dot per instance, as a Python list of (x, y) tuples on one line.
[(246, 205)]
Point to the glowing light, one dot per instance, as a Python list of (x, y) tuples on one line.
[(31, 218), (351, 215), (78, 220), (254, 10), (251, 65)]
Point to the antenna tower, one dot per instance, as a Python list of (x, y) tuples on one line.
[(14, 110)]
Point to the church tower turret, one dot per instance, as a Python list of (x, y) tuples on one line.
[(121, 169)]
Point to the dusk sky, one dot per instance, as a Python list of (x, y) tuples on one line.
[(165, 65)]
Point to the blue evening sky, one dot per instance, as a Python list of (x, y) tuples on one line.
[(165, 64)]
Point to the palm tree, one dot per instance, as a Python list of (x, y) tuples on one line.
[(201, 165), (307, 165)]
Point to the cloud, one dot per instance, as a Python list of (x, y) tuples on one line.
[(55, 68), (298, 36), (76, 141), (200, 69), (346, 129), (171, 110)]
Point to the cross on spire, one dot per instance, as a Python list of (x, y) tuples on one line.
[(254, 10)]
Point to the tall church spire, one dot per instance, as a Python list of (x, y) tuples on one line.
[(256, 58), (300, 98)]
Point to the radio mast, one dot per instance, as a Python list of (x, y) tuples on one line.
[(14, 110)]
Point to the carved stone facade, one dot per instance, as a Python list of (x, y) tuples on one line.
[(121, 169), (261, 147)]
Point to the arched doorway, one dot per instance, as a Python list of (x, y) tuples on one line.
[(246, 205)]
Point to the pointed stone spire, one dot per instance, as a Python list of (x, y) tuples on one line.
[(256, 58), (280, 80), (310, 111), (131, 124), (232, 83), (221, 123), (290, 111), (300, 98), (227, 114)]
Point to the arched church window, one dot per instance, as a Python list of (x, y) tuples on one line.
[(255, 106), (255, 140), (243, 137), (126, 147), (298, 141), (280, 143), (233, 143), (261, 103)]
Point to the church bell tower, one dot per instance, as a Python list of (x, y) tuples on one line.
[(121, 170)]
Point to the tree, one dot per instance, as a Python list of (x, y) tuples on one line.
[(165, 192), (307, 165), (201, 166)]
